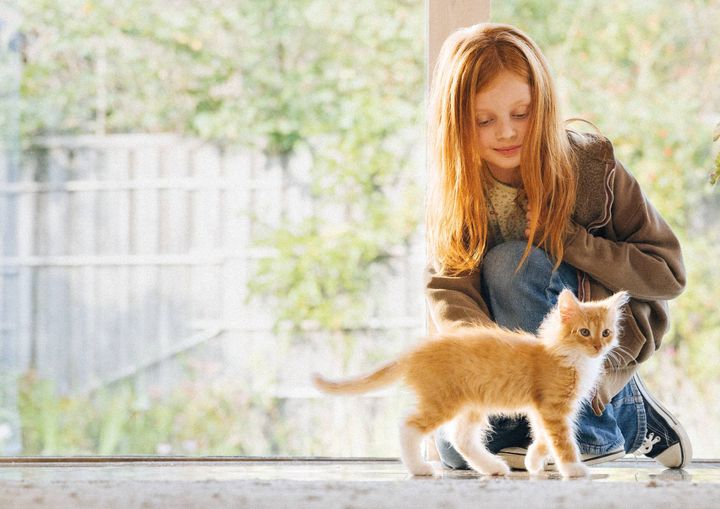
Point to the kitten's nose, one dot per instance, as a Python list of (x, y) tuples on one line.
[(597, 347)]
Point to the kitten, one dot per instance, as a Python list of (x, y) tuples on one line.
[(474, 372)]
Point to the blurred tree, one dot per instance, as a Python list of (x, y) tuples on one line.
[(342, 82), (716, 171)]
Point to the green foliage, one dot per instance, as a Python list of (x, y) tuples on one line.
[(9, 70), (316, 272), (202, 418), (716, 172), (267, 72), (366, 203), (696, 323), (344, 81)]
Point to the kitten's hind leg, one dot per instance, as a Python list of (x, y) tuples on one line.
[(412, 432), (467, 438)]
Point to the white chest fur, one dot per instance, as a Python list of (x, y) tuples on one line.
[(588, 370)]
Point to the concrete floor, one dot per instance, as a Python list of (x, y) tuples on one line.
[(349, 484)]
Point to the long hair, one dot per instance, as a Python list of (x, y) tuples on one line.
[(457, 217)]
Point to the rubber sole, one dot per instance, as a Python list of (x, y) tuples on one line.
[(515, 458)]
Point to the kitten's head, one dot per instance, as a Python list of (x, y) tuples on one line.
[(591, 328)]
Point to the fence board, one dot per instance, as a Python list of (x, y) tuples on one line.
[(144, 297), (89, 328), (78, 339), (53, 326), (144, 311), (54, 206), (144, 204), (132, 247), (206, 212), (26, 220), (105, 350), (236, 232)]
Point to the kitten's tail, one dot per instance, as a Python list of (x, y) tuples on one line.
[(385, 375)]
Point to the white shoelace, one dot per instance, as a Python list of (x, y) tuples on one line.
[(647, 444)]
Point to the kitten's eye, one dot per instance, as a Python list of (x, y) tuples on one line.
[(584, 332), (606, 333)]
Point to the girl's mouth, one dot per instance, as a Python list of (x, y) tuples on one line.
[(511, 151)]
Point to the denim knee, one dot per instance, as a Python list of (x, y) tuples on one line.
[(502, 260), (521, 297), (503, 281), (500, 264)]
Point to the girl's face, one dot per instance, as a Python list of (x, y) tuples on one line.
[(502, 114)]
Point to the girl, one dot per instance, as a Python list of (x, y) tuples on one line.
[(521, 207)]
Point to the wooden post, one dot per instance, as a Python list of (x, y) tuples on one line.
[(443, 18), (446, 16)]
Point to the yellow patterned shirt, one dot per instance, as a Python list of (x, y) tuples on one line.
[(507, 211)]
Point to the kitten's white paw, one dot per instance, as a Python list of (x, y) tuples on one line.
[(500, 469), (422, 469), (573, 470), (491, 466), (536, 457), (534, 462)]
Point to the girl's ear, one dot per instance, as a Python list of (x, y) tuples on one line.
[(618, 300), (568, 306)]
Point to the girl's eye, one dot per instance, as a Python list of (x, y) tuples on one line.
[(483, 123), (606, 333), (584, 332)]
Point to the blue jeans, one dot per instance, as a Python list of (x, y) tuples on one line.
[(521, 300)]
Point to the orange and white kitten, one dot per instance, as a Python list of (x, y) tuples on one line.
[(474, 372)]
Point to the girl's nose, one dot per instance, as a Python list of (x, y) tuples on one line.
[(505, 130)]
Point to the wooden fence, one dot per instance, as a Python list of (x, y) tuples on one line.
[(128, 249)]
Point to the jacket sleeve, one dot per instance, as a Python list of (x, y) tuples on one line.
[(645, 260), (455, 301)]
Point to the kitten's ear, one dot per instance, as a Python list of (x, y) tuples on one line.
[(618, 300), (568, 306)]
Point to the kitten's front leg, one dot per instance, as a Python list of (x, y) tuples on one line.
[(537, 456), (567, 456)]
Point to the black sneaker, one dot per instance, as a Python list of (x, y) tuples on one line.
[(666, 440)]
